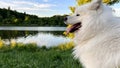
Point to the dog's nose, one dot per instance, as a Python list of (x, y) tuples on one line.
[(65, 19)]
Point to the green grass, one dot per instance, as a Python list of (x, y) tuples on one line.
[(30, 56)]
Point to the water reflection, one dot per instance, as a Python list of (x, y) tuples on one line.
[(14, 32), (34, 28), (40, 39)]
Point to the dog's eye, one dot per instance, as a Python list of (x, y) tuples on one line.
[(78, 15)]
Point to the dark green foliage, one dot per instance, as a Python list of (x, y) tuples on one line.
[(113, 2), (13, 18), (30, 56)]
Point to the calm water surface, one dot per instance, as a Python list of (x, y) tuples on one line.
[(33, 28)]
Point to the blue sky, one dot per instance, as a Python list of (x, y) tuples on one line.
[(44, 8)]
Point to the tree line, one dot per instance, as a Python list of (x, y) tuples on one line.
[(9, 17)]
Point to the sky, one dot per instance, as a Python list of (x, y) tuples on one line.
[(44, 8)]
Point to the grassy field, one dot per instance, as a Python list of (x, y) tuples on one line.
[(30, 56)]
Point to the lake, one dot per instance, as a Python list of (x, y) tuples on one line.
[(15, 31), (46, 36), (33, 28)]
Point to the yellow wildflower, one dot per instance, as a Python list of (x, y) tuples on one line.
[(66, 46), (70, 45), (13, 43), (1, 43)]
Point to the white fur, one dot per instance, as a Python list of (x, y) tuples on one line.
[(98, 40)]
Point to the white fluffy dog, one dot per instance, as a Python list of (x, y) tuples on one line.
[(97, 35)]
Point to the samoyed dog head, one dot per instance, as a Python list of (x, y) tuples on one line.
[(90, 19)]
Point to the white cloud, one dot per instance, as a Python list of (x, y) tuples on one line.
[(29, 7), (39, 5), (45, 0), (44, 5), (25, 3), (33, 9), (117, 12), (6, 4), (116, 7)]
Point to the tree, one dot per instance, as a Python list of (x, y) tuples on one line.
[(1, 19)]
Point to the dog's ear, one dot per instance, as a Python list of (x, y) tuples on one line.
[(95, 4)]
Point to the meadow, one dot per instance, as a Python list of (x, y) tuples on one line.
[(32, 56), (42, 50)]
